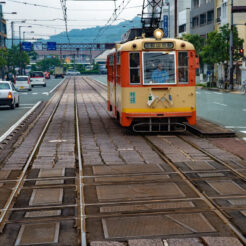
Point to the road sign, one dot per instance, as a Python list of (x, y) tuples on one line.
[(165, 25), (38, 46), (51, 45), (26, 46)]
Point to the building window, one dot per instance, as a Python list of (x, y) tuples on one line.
[(134, 68), (210, 16), (182, 28), (203, 19), (218, 14), (183, 67), (195, 21), (196, 3)]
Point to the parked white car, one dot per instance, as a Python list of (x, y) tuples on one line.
[(23, 83), (37, 78), (72, 73), (8, 94)]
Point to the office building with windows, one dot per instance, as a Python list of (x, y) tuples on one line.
[(3, 29)]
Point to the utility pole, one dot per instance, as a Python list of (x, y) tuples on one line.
[(231, 48), (12, 33), (175, 18)]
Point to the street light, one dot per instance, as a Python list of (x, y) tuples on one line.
[(12, 29), (20, 32), (25, 33)]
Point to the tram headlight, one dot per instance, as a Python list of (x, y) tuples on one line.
[(158, 34)]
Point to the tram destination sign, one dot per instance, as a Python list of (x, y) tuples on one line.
[(159, 45)]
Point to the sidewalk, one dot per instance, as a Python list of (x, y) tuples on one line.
[(236, 89)]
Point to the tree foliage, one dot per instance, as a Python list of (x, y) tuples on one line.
[(217, 46), (47, 63), (196, 40)]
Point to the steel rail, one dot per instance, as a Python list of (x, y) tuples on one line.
[(81, 185), (20, 181)]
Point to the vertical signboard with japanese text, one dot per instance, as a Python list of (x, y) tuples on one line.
[(165, 25)]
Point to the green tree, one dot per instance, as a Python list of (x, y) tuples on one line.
[(217, 47), (3, 61), (196, 40), (47, 63)]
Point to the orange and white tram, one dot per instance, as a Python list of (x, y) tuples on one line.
[(151, 83)]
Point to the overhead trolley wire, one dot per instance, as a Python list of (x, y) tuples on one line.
[(114, 17)]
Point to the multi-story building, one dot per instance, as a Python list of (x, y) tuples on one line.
[(183, 16), (223, 16), (202, 17), (3, 29)]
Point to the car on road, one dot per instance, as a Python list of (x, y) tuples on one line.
[(37, 78), (72, 73), (47, 75), (9, 95), (23, 83)]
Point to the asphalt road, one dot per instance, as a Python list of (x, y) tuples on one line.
[(27, 100), (227, 109)]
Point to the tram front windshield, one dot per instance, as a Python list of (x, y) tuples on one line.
[(159, 68)]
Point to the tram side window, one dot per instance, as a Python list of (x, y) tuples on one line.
[(134, 68), (183, 67)]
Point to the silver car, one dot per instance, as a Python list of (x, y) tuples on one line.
[(8, 94), (23, 83)]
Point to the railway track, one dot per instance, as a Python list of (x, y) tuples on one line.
[(233, 168), (87, 182)]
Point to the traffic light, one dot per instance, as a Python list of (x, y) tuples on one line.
[(241, 52)]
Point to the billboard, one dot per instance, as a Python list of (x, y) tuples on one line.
[(26, 46), (51, 45), (38, 46)]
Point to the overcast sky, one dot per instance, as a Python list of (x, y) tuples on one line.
[(46, 21)]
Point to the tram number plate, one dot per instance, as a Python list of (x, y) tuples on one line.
[(159, 45)]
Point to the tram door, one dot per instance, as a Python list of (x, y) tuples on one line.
[(114, 82)]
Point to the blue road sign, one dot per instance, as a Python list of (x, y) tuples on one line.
[(165, 25), (26, 46), (51, 45)]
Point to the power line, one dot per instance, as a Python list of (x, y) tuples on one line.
[(34, 4), (64, 8), (114, 17)]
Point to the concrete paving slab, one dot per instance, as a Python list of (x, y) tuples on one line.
[(145, 242), (55, 172), (210, 175), (137, 226), (4, 174), (226, 187), (32, 234), (199, 165), (146, 206), (44, 213), (105, 243), (184, 242), (222, 241), (46, 196), (100, 170), (237, 202), (135, 191), (193, 222)]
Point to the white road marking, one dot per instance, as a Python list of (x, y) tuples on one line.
[(45, 93), (243, 132), (219, 93), (34, 93), (26, 104), (24, 93), (56, 86), (221, 104), (11, 129), (198, 92), (244, 109), (209, 93)]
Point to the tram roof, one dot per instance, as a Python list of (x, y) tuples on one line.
[(139, 44)]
